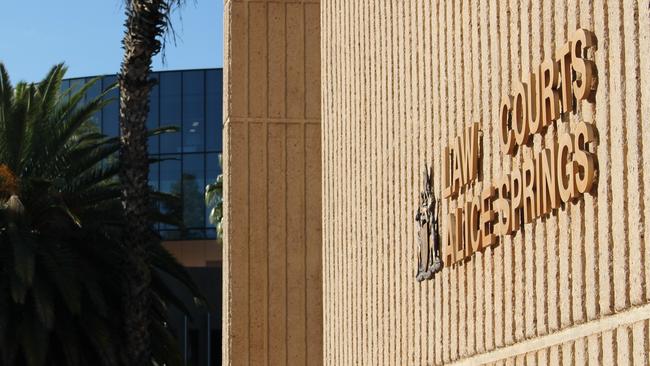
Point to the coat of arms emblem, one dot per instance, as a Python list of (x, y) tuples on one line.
[(426, 216)]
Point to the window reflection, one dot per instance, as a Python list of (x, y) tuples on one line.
[(213, 110), (193, 111), (75, 85), (153, 118), (192, 193), (111, 113), (65, 85), (93, 92), (170, 182), (154, 183), (191, 101), (170, 110), (212, 170)]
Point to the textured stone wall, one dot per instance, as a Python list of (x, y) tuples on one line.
[(400, 79), (272, 244)]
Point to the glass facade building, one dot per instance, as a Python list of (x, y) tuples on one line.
[(192, 101)]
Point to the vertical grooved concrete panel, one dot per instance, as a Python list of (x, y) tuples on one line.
[(273, 308), (401, 79)]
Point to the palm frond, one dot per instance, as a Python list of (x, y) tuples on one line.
[(61, 230)]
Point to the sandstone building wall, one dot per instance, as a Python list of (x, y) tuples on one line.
[(400, 79), (272, 244)]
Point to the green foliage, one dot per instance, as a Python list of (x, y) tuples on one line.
[(60, 233), (214, 199)]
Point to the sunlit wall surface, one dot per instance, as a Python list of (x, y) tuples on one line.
[(190, 100)]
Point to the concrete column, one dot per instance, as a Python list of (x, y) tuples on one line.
[(272, 161)]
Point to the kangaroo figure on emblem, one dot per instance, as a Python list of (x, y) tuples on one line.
[(426, 216)]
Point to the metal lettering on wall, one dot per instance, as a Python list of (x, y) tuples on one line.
[(557, 174)]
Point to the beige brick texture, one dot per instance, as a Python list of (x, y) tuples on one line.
[(400, 79), (272, 163)]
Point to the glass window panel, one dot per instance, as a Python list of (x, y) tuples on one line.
[(170, 174), (153, 176), (75, 86), (193, 189), (93, 92), (154, 183), (170, 110), (65, 85), (110, 113), (213, 110), (152, 118), (212, 170), (170, 182), (193, 111)]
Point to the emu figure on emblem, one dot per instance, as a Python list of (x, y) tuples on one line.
[(426, 216)]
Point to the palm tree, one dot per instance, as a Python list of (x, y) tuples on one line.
[(146, 24), (61, 229)]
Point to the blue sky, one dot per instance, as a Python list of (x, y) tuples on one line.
[(87, 34)]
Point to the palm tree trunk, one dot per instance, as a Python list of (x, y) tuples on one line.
[(144, 24)]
